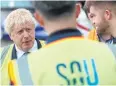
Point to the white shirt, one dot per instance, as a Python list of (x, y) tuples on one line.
[(20, 52)]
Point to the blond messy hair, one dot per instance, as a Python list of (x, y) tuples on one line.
[(17, 17)]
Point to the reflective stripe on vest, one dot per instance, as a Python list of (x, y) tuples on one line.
[(21, 72), (12, 72), (3, 54)]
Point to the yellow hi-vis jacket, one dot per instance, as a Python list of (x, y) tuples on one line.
[(6, 57), (67, 61), (93, 36)]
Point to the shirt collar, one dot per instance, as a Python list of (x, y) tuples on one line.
[(20, 52), (35, 47), (63, 34), (109, 41)]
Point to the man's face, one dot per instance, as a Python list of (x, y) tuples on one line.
[(23, 35), (97, 18)]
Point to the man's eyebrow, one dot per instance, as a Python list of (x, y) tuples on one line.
[(91, 13)]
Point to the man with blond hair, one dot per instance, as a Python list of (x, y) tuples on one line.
[(20, 25)]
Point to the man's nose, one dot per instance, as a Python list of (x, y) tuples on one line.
[(26, 34), (93, 22)]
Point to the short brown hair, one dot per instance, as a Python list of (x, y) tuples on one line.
[(100, 4), (54, 9)]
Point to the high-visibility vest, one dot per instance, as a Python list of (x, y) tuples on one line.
[(6, 57), (93, 36), (68, 61)]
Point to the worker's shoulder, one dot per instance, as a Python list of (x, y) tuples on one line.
[(4, 52), (5, 49), (42, 42), (68, 43)]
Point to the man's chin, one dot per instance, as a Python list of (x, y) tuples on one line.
[(98, 31), (101, 31), (27, 48)]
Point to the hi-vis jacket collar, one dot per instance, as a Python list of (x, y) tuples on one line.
[(112, 40), (14, 55), (71, 32)]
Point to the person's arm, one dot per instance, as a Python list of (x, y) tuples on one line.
[(3, 66)]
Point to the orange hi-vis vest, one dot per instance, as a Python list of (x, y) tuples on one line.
[(93, 35)]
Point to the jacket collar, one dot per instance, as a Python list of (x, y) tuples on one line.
[(14, 54), (109, 41), (71, 32)]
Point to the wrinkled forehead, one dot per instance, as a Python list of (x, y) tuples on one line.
[(24, 25)]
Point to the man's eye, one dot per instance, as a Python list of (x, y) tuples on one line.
[(91, 16), (20, 32), (28, 29)]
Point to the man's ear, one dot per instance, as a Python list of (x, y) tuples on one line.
[(11, 36), (78, 9), (39, 18), (108, 14)]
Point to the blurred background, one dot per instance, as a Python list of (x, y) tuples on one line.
[(83, 23)]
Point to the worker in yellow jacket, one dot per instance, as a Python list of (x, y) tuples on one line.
[(20, 27), (68, 58), (100, 20)]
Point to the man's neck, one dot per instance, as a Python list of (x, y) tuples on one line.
[(106, 37), (54, 26)]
